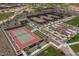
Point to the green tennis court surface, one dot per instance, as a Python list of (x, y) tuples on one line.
[(23, 36)]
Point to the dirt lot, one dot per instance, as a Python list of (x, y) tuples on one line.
[(5, 46)]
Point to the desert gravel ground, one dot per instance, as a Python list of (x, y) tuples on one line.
[(5, 46)]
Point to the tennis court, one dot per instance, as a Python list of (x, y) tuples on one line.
[(23, 37)]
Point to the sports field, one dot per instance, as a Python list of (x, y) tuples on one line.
[(74, 39), (74, 21), (51, 51), (23, 37), (75, 47), (5, 15)]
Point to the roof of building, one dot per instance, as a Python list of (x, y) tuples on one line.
[(38, 19)]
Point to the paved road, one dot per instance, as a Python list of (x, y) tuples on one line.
[(67, 50)]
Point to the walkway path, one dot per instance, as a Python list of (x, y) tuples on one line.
[(71, 51), (24, 53), (39, 49), (74, 43)]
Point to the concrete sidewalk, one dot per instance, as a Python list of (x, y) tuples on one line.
[(74, 43)]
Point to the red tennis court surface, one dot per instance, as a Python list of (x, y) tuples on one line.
[(22, 37)]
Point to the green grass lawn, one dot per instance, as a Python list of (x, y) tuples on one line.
[(75, 47), (41, 35), (74, 39), (5, 15), (74, 21), (51, 51)]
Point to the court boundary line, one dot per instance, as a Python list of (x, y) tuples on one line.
[(24, 45)]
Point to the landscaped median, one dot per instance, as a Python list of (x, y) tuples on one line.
[(74, 21), (73, 42), (51, 51), (75, 47), (74, 39), (4, 16)]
